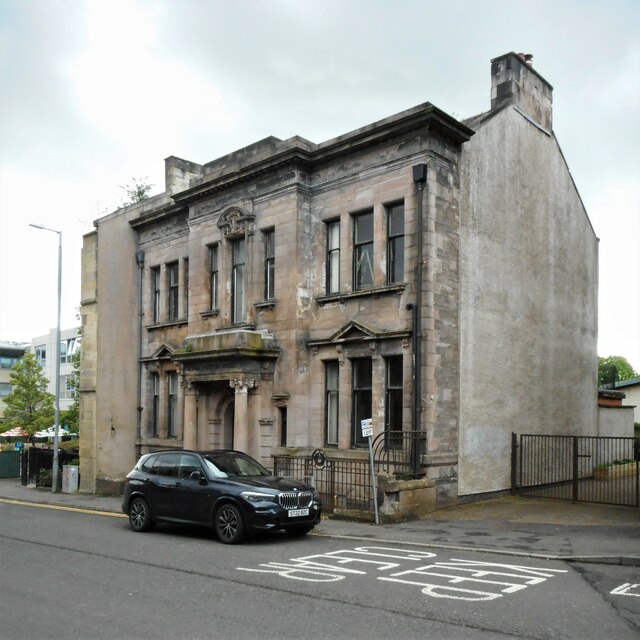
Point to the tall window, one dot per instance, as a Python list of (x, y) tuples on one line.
[(173, 280), (238, 280), (331, 394), (155, 409), (395, 243), (213, 276), (155, 293), (333, 256), (186, 287), (173, 401), (361, 398), (393, 402), (283, 426), (363, 251), (269, 264)]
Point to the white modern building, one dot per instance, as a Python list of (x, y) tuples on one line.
[(44, 349)]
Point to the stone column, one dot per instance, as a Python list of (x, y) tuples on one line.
[(240, 415), (190, 426)]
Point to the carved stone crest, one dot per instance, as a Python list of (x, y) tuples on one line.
[(236, 223)]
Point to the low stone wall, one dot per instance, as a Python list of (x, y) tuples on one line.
[(405, 499)]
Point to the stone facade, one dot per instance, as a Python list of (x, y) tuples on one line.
[(270, 299)]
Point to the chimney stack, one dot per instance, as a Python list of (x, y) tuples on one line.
[(514, 81)]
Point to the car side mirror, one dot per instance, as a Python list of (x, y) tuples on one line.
[(199, 476)]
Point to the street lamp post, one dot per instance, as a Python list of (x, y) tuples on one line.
[(54, 471)]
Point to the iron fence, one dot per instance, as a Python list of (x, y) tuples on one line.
[(344, 483), (36, 465), (577, 468)]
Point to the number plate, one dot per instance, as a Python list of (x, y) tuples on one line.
[(294, 513)]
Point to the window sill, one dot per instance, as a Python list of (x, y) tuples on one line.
[(211, 313), (373, 292), (265, 304), (163, 325)]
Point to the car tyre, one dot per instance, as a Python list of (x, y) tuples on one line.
[(140, 516), (228, 524), (299, 529)]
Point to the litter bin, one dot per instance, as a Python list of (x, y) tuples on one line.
[(69, 478)]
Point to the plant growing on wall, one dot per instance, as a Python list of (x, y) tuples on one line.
[(29, 405), (136, 191)]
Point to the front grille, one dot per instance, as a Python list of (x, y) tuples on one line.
[(295, 499)]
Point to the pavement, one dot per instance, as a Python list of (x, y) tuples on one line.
[(508, 525)]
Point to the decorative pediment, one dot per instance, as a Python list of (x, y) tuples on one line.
[(354, 332), (164, 352), (235, 222)]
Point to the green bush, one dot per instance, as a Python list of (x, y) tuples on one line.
[(44, 479)]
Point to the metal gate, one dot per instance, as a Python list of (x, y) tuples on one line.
[(344, 482), (577, 468)]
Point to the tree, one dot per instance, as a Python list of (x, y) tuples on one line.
[(70, 418), (29, 405), (136, 191), (613, 369)]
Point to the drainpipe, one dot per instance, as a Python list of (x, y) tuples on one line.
[(420, 180), (140, 263)]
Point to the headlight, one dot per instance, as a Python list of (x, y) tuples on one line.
[(255, 496)]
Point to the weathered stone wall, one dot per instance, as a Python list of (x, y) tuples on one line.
[(528, 274)]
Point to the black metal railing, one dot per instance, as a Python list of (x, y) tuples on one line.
[(36, 465), (344, 481), (577, 468)]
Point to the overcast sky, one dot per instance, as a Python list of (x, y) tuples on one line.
[(95, 93)]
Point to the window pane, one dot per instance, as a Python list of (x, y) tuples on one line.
[(363, 251), (362, 398), (396, 220), (393, 404), (213, 276), (174, 288), (269, 264), (333, 256), (186, 288), (238, 281), (331, 402), (395, 243), (173, 398), (364, 228), (155, 293), (364, 266)]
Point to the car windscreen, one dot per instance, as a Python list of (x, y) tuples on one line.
[(231, 465)]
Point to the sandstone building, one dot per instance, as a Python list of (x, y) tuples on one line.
[(429, 274)]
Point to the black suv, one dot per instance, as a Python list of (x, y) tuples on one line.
[(226, 490)]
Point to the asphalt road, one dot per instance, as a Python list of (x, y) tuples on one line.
[(65, 574)]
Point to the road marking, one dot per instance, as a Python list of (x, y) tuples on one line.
[(61, 508), (491, 579), (624, 589)]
